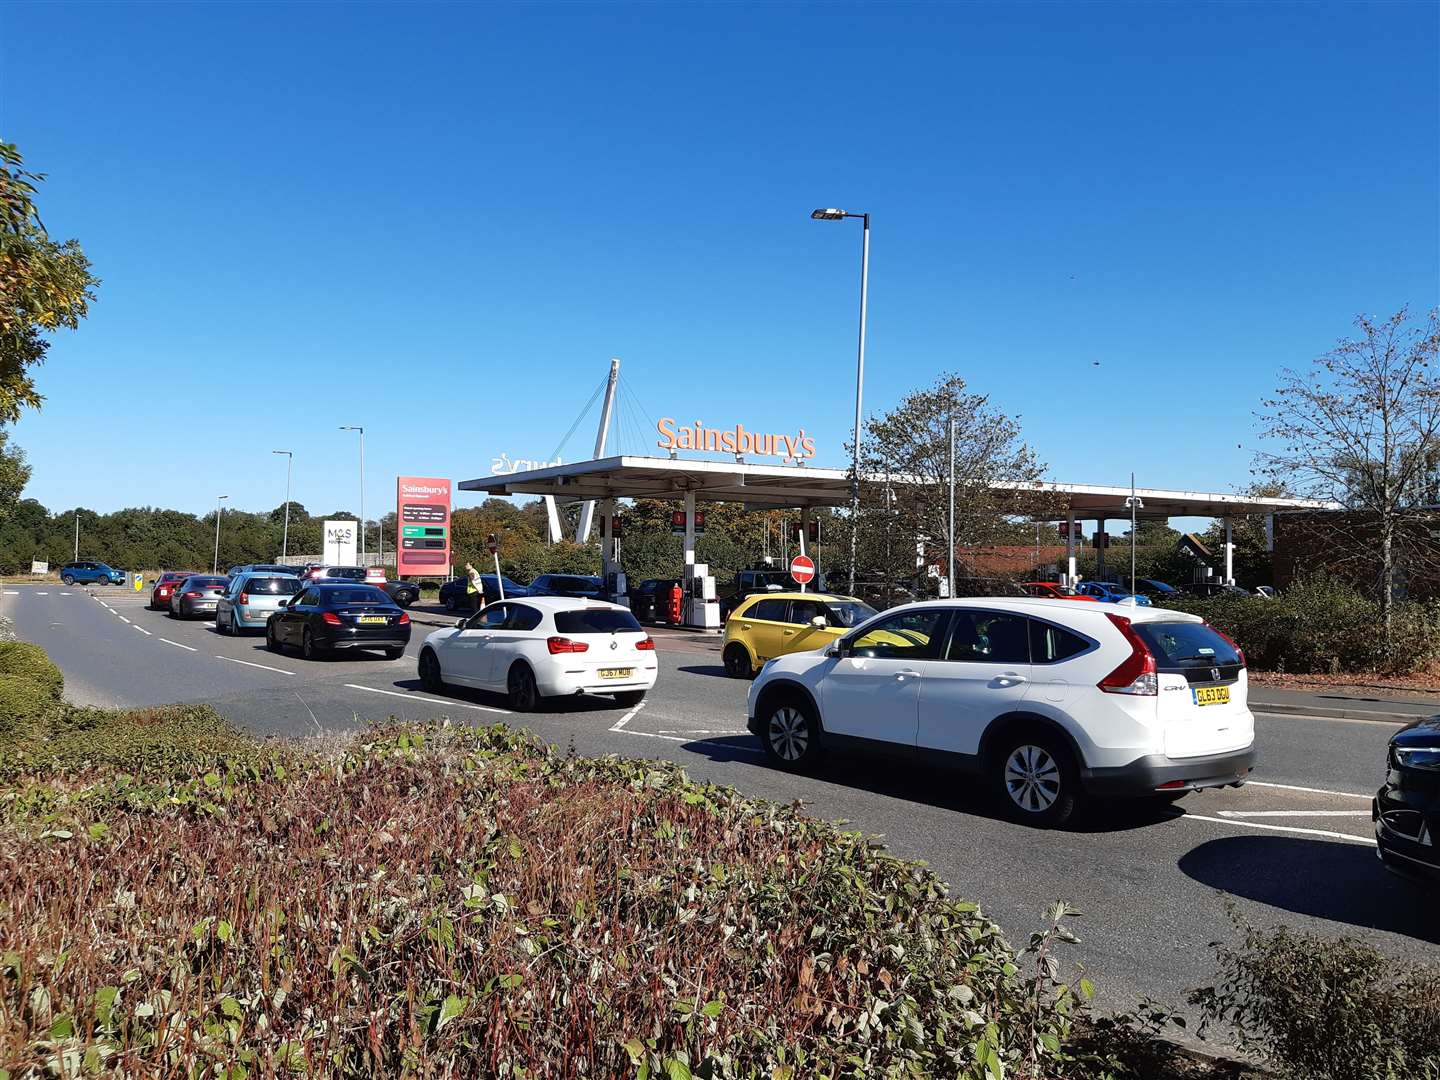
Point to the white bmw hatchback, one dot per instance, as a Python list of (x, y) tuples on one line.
[(1041, 700), (541, 647)]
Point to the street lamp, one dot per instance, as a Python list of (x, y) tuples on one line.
[(285, 538), (361, 430), (219, 509), (838, 215), (1134, 502)]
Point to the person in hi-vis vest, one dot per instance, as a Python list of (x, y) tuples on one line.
[(475, 589)]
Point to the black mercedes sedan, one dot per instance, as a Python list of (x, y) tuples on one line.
[(1407, 809), (329, 616)]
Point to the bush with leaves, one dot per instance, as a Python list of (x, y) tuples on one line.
[(1320, 626), (1315, 1008), (441, 902), (29, 661)]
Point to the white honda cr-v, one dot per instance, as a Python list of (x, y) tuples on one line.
[(1042, 700)]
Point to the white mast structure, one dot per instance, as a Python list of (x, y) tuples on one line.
[(587, 508)]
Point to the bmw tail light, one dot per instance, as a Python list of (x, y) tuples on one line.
[(329, 618), (558, 645), (1136, 673), (647, 643)]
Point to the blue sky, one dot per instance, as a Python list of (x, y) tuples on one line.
[(441, 221)]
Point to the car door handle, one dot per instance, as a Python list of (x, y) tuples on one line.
[(901, 676), (788, 633), (1009, 678)]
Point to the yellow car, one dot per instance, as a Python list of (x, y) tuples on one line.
[(771, 624)]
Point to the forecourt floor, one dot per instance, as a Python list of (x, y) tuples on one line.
[(1293, 847)]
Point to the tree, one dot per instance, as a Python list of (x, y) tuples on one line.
[(43, 285), (912, 441), (14, 474), (1361, 427)]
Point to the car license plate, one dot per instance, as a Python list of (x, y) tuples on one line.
[(615, 672), (371, 620), (1212, 695)]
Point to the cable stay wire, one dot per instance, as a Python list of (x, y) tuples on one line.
[(584, 412)]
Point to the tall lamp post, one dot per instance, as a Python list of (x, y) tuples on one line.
[(285, 537), (839, 215), (219, 509), (361, 430), (1135, 503)]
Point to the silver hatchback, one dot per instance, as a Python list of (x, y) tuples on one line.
[(251, 598)]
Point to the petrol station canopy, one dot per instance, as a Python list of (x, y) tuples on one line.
[(763, 487)]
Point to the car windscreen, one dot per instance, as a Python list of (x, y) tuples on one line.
[(1181, 645), (356, 594), (272, 586), (848, 612), (595, 621), (574, 584)]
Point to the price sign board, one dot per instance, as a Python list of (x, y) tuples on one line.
[(422, 505)]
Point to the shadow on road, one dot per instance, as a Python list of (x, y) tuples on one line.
[(941, 789), (713, 670), (1335, 880)]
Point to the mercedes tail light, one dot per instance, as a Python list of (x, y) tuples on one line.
[(404, 619), (1136, 673), (558, 645), (193, 594), (647, 643), (329, 618)]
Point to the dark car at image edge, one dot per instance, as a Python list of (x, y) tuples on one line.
[(1406, 810)]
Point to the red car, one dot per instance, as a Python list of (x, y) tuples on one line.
[(1050, 590), (165, 584)]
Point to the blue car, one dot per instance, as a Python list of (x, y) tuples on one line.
[(1107, 592), (91, 573), (1157, 591)]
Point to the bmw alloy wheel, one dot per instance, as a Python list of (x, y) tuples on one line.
[(1032, 778)]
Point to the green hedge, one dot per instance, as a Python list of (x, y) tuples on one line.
[(1321, 627), (29, 661), (21, 699)]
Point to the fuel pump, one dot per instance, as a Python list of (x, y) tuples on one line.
[(702, 608)]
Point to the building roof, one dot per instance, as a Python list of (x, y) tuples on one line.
[(787, 486)]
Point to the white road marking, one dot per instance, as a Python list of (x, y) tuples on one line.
[(42, 594), (727, 746), (1293, 813), (177, 644), (701, 731), (1329, 719), (1309, 790), (141, 629), (1281, 828), (12, 592), (122, 618), (620, 724), (65, 594), (426, 697), (248, 663)]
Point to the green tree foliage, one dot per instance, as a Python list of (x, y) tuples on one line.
[(14, 474)]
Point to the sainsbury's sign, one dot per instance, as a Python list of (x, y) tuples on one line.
[(734, 440)]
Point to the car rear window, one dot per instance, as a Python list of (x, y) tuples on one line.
[(366, 594), (574, 584), (207, 582), (273, 586), (346, 573), (1181, 645), (594, 621)]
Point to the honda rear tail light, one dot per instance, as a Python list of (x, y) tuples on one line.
[(244, 598), (558, 645), (647, 643), (404, 619), (1238, 651), (1136, 674), (329, 618)]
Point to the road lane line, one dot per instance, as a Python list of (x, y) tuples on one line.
[(249, 663), (42, 594), (1331, 719), (1292, 813), (1308, 790), (122, 618), (177, 644), (620, 724), (65, 594), (141, 629), (1276, 828), (426, 697), (701, 731), (727, 746)]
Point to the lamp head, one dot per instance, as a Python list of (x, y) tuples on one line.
[(827, 215)]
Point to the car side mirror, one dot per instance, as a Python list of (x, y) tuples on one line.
[(818, 622), (839, 650)]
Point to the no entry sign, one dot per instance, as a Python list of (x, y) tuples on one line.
[(802, 569)]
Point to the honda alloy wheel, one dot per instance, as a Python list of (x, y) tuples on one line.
[(1036, 779)]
